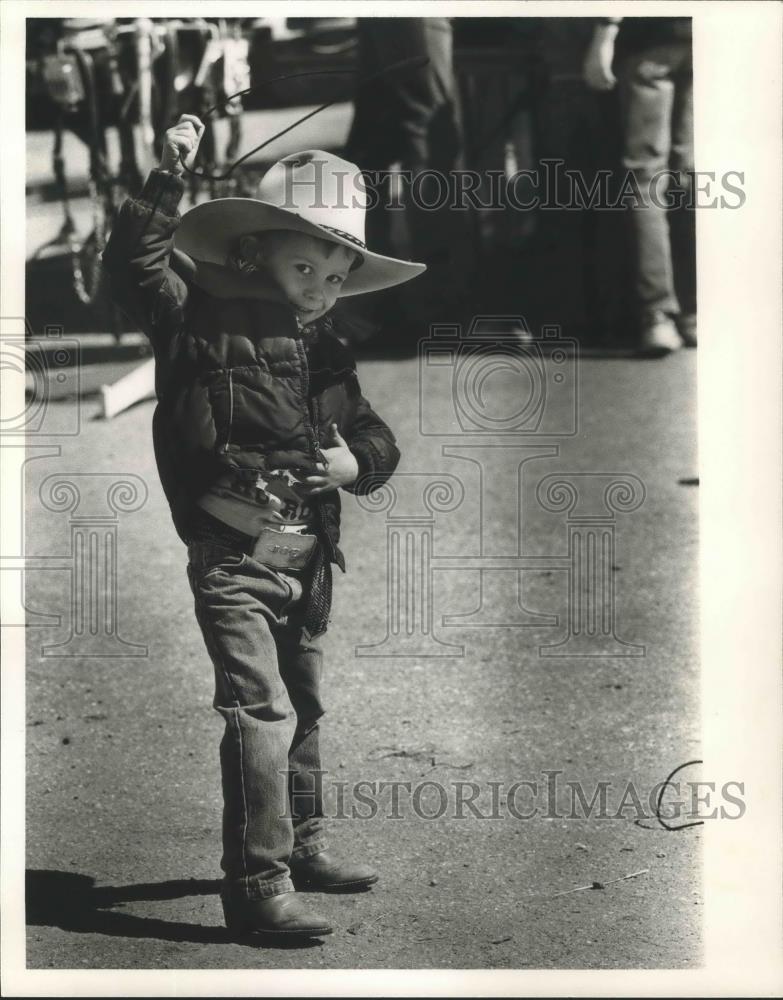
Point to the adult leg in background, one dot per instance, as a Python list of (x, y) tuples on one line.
[(682, 218), (647, 96)]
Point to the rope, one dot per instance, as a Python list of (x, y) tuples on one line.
[(418, 62)]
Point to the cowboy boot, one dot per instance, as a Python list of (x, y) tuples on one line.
[(283, 914), (323, 872)]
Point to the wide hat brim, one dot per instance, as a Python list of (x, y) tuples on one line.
[(210, 232)]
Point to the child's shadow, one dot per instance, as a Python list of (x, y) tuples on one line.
[(73, 902)]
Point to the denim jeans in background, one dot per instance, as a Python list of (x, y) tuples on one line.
[(267, 677), (656, 92)]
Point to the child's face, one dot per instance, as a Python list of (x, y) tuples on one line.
[(310, 271)]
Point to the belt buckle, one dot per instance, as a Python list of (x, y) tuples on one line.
[(283, 549)]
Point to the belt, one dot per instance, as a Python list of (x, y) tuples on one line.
[(273, 547), (283, 549)]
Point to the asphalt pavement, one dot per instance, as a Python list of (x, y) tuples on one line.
[(123, 791)]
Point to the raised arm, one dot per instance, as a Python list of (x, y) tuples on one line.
[(137, 258)]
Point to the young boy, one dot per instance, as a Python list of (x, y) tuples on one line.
[(260, 420)]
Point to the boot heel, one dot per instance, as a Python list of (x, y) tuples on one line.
[(236, 923)]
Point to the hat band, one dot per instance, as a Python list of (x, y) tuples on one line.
[(346, 236)]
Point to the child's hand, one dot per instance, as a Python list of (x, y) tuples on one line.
[(181, 143), (341, 468)]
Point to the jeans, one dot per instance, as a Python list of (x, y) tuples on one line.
[(656, 92), (267, 677)]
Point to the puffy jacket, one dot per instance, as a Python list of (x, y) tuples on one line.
[(236, 388)]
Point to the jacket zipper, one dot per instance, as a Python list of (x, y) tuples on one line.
[(309, 428), (230, 407), (311, 414)]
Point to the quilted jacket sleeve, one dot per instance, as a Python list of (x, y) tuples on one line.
[(136, 258), (375, 448)]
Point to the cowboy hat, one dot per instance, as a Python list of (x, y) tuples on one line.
[(311, 192)]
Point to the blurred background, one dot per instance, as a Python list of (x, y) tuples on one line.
[(497, 94)]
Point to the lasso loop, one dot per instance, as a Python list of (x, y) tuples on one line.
[(411, 63), (659, 803)]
